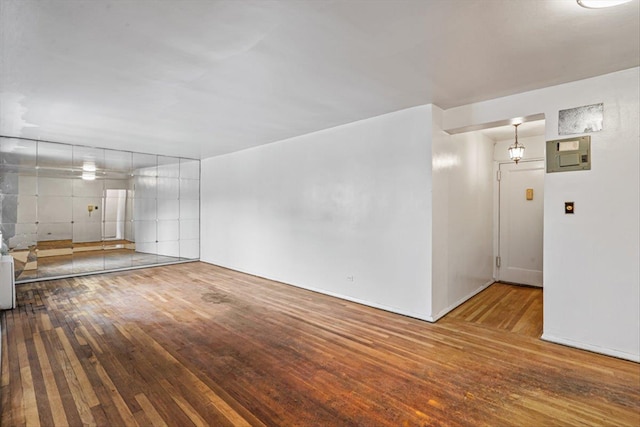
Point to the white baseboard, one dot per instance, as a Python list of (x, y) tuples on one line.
[(590, 347), (442, 313), (367, 303), (390, 309)]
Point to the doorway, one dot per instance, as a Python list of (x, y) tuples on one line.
[(516, 255), (520, 222), (113, 214)]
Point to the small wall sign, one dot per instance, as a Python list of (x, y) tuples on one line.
[(529, 193)]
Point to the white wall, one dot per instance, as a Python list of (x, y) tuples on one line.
[(462, 216), (591, 276), (355, 201), (314, 211)]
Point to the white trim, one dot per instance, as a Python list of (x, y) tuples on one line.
[(590, 347), (519, 284), (460, 302), (333, 294), (499, 123), (367, 303), (496, 217)]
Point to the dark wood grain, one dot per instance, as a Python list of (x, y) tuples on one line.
[(195, 344)]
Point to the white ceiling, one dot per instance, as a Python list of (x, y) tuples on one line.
[(525, 130), (202, 78)]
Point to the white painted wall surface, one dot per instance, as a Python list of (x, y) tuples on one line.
[(348, 202), (462, 216), (591, 275)]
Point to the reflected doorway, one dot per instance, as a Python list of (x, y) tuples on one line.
[(114, 205)]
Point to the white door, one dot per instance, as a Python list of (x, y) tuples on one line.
[(113, 210), (520, 220)]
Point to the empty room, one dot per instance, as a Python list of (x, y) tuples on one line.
[(320, 212)]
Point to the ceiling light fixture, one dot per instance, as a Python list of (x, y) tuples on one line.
[(89, 170), (599, 4), (516, 151)]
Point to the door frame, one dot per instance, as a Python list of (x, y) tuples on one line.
[(496, 209)]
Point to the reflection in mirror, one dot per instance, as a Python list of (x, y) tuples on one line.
[(67, 210), (189, 169), (169, 166), (18, 199), (117, 164), (54, 159), (53, 209), (145, 164), (88, 163)]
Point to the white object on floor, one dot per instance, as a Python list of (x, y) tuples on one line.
[(7, 283)]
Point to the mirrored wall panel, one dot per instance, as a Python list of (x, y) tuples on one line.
[(68, 209)]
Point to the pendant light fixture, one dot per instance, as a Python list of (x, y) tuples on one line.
[(516, 151)]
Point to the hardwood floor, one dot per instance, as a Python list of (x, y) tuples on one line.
[(511, 308), (194, 344)]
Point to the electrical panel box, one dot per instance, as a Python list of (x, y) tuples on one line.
[(571, 154)]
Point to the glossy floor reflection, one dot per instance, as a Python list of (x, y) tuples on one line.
[(90, 261)]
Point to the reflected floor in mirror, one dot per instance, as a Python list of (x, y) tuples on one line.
[(86, 262)]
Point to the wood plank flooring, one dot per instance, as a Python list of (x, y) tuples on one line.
[(194, 344), (507, 307)]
